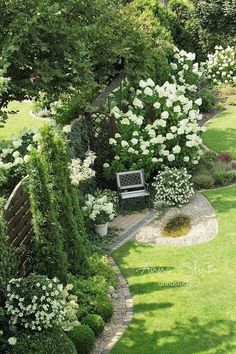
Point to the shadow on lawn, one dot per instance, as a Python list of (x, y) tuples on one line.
[(191, 337)]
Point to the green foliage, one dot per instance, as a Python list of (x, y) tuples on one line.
[(63, 202), (47, 342), (104, 308), (203, 181), (95, 322), (184, 26), (209, 99), (68, 202), (90, 293), (83, 339), (100, 265), (8, 259), (49, 255)]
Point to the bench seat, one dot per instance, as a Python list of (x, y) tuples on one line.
[(134, 194)]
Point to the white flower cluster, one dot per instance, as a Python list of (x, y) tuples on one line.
[(18, 153), (185, 70), (221, 66), (81, 170), (160, 128), (173, 187), (99, 208), (37, 303), (10, 340)]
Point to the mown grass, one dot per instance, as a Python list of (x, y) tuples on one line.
[(184, 297), (221, 133), (20, 120)]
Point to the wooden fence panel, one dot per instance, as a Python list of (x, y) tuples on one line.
[(19, 224)]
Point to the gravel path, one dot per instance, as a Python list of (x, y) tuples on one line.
[(204, 226), (122, 315)]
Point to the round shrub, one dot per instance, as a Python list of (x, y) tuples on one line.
[(173, 187), (95, 322), (104, 308), (46, 342), (203, 181), (83, 338)]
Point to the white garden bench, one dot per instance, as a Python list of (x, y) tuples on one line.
[(131, 184)]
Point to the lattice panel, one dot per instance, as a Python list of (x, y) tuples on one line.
[(130, 179)]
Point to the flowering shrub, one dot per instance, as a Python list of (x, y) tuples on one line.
[(14, 158), (221, 66), (100, 207), (173, 187), (159, 128), (81, 170), (36, 302), (17, 153), (185, 70)]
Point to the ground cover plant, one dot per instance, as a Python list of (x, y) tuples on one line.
[(177, 226), (179, 292)]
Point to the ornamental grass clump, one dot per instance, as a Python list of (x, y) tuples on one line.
[(173, 187), (36, 303)]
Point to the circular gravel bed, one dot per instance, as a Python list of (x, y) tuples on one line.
[(204, 226)]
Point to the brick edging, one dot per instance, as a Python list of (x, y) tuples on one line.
[(128, 304)]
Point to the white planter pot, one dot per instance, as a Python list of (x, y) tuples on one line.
[(101, 229)]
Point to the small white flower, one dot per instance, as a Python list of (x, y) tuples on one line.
[(67, 129), (148, 91)]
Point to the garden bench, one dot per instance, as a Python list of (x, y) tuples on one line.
[(131, 184)]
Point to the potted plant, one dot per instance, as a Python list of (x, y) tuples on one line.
[(100, 209)]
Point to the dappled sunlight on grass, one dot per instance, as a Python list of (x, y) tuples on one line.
[(184, 296), (19, 120)]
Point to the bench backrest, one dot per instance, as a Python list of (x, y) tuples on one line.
[(130, 179)]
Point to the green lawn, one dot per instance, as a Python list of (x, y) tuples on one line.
[(22, 119), (221, 133), (184, 298)]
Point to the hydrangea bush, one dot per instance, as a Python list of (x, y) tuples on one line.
[(36, 303), (159, 128), (185, 70), (81, 171), (100, 208), (17, 153), (173, 187), (221, 66)]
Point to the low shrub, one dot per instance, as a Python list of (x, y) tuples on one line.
[(209, 99), (173, 187), (95, 322), (104, 308), (35, 302), (203, 181), (225, 157), (83, 338), (177, 226), (90, 292), (47, 342), (100, 265)]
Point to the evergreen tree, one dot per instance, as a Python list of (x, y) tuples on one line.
[(48, 254)]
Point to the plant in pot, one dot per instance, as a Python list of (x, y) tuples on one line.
[(100, 209)]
